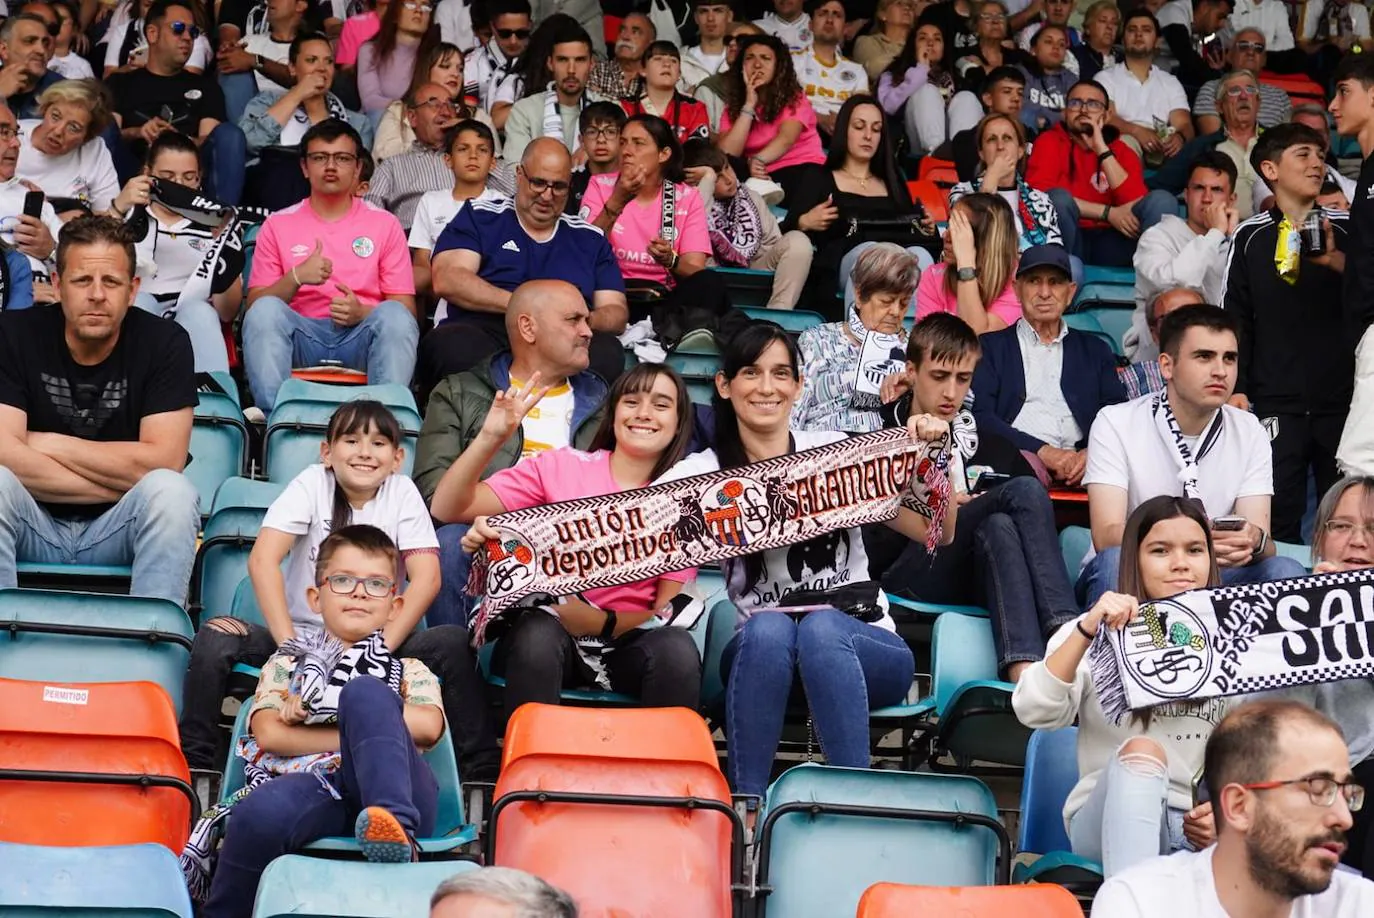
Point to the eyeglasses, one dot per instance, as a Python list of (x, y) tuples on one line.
[(8, 133), (1250, 46), (339, 159), (539, 186), (346, 584), (180, 28), (992, 17), (1321, 790), (1341, 529), (521, 34), (1088, 105), (418, 7), (439, 104), (1235, 92), (601, 133)]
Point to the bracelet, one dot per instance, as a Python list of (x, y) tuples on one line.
[(114, 208), (1106, 212), (746, 112), (295, 278), (672, 265), (1104, 156), (1084, 631)]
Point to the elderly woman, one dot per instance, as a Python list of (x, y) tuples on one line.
[(1100, 49), (843, 363), (61, 150), (893, 22)]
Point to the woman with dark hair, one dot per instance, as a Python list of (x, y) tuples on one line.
[(441, 65), (656, 223), (767, 118), (1134, 796), (386, 64), (918, 86)]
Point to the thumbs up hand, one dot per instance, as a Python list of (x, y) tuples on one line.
[(316, 269)]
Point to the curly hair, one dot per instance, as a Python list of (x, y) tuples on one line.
[(776, 94)]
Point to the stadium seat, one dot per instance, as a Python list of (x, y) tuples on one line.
[(219, 438), (890, 900), (1103, 274), (92, 764), (120, 881), (300, 419), (792, 320), (626, 809), (1051, 772), (931, 610), (934, 165), (694, 366), (700, 391), (721, 623), (827, 834), (94, 637), (222, 560), (1299, 553), (932, 197), (295, 886), (1088, 322), (1115, 321), (747, 286), (1074, 544), (91, 578)]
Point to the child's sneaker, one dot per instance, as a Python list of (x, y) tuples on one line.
[(382, 837)]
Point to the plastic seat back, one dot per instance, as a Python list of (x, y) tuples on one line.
[(1074, 544), (219, 437), (1051, 772), (125, 733), (795, 321), (1115, 322), (932, 197), (816, 861), (977, 722), (747, 286), (227, 540), (296, 428), (305, 887), (891, 900), (121, 881)]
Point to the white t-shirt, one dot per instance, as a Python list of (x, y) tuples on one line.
[(1312, 14), (1142, 103), (796, 34), (276, 51), (549, 423), (1176, 12), (12, 195), (454, 19), (72, 66), (1182, 886), (305, 508), (434, 212), (827, 86), (87, 172)]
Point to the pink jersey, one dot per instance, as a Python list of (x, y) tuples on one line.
[(639, 223), (806, 149), (367, 247), (356, 30), (931, 297)]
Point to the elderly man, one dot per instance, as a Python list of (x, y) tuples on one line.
[(1247, 53), (1144, 376), (32, 236), (621, 76), (1238, 103), (499, 892), (492, 247), (400, 181), (25, 49), (569, 63), (1041, 383), (1149, 105)]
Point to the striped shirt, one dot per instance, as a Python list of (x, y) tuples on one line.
[(1274, 105), (401, 181)]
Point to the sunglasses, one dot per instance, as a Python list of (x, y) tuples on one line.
[(180, 28), (521, 34), (1249, 46)]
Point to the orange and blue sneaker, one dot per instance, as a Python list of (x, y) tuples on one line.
[(382, 837)]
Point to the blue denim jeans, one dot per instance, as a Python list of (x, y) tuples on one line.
[(381, 767), (846, 668), (225, 152), (452, 605), (1100, 574), (1126, 818), (239, 89), (1106, 246), (277, 338), (153, 526), (201, 322)]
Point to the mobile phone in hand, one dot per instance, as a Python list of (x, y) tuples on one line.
[(1228, 524), (33, 204)]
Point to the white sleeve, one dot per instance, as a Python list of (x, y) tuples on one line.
[(200, 54), (116, 41), (414, 528), (294, 509), (104, 179), (1161, 267), (420, 237), (1107, 453), (1282, 39), (1311, 14), (51, 220), (1359, 19), (1117, 899), (1258, 477), (695, 464), (1177, 97), (1042, 701)]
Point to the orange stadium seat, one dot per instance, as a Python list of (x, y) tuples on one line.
[(932, 196), (892, 900)]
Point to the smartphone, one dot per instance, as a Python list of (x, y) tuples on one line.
[(989, 480), (1229, 523), (1200, 793), (33, 204)]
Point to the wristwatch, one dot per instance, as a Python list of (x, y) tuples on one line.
[(966, 274), (608, 630)]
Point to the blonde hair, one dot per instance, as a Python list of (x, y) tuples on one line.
[(994, 230), (1097, 9), (87, 94)]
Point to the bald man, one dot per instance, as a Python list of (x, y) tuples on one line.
[(492, 247), (1143, 376)]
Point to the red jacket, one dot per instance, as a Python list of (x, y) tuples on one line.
[(1058, 161), (686, 115)]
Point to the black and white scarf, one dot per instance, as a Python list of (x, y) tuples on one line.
[(879, 355), (553, 117), (1172, 435)]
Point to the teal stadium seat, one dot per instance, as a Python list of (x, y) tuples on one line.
[(306, 887), (694, 366), (219, 438), (1102, 274), (300, 420), (747, 286), (1115, 322), (1102, 293), (1074, 544), (1051, 773), (1299, 553), (1087, 322), (236, 515), (795, 321), (117, 881), (92, 578)]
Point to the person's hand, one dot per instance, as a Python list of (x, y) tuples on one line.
[(1124, 220), (44, 292), (1074, 467), (963, 497), (1214, 55), (1333, 257), (629, 183), (819, 218), (961, 239), (235, 58), (81, 43), (1172, 144), (927, 428), (316, 269), (346, 309), (894, 386), (32, 237), (758, 168), (578, 618), (579, 158), (1058, 461), (1239, 400), (999, 171), (479, 534), (752, 82), (310, 86), (14, 78), (1199, 826), (1323, 567), (1235, 548), (1114, 610), (1146, 137), (151, 128), (292, 713), (138, 190), (695, 175), (661, 251), (509, 408)]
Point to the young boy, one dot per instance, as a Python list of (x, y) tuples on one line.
[(744, 232), (1283, 284), (381, 791), (662, 69), (599, 124)]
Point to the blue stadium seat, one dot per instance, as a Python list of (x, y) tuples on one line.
[(827, 834), (792, 320), (1299, 553), (1051, 773), (931, 610), (1102, 274), (92, 578), (1096, 293), (721, 623), (701, 391), (222, 561), (1087, 322), (300, 419), (219, 438), (747, 286), (120, 881), (1115, 322), (973, 707), (302, 887), (1074, 544)]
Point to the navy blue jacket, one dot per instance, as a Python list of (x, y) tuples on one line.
[(1088, 381)]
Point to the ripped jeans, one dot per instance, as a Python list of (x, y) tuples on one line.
[(1126, 818)]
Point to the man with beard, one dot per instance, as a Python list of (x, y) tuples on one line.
[(1149, 105), (621, 76), (554, 111), (1281, 791)]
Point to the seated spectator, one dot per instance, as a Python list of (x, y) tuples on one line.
[(443, 66), (348, 298), (469, 154), (743, 231), (62, 151), (1002, 159), (25, 49), (1041, 383), (1186, 252), (1239, 107), (126, 45), (1328, 32), (599, 125), (361, 28), (707, 58), (533, 72), (262, 61), (974, 277), (172, 253), (492, 247), (893, 23), (387, 63), (1313, 115), (96, 371), (1296, 367), (972, 66), (1134, 796), (603, 639), (788, 23), (827, 77), (400, 180), (917, 86), (1148, 105), (767, 119), (1101, 47), (383, 788), (1144, 376), (553, 112), (1095, 181), (1057, 13), (711, 91), (274, 123), (490, 65), (1283, 798), (65, 59), (1273, 34), (955, 21), (33, 237), (1333, 197), (1246, 53), (662, 70), (457, 896), (833, 354), (621, 75), (1189, 29), (1047, 79), (164, 86), (1185, 439), (1004, 93), (1003, 555), (548, 339)]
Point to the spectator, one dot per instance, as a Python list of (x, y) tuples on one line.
[(92, 370), (1134, 796), (145, 96), (387, 63), (1297, 365), (1282, 798), (1095, 181), (534, 71), (1004, 93), (711, 91), (359, 29), (989, 21), (974, 277), (1313, 115), (549, 340), (1101, 48), (528, 896), (1247, 53), (621, 76), (1239, 133), (662, 71), (1041, 383), (1353, 108), (1330, 30), (917, 86), (1047, 79), (383, 788), (1272, 31), (1002, 157), (553, 112), (491, 248), (704, 60), (1149, 106), (893, 22), (400, 180), (833, 355), (1190, 30), (955, 21), (1056, 12), (25, 49), (1186, 439), (1144, 377), (262, 60), (456, 26), (744, 233), (127, 45), (65, 60), (767, 118), (586, 13), (655, 222), (444, 66), (599, 124), (827, 77), (348, 297), (62, 151), (1191, 252), (789, 24), (488, 67), (1333, 197), (173, 252), (34, 237)]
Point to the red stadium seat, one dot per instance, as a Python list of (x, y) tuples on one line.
[(892, 900), (938, 170), (934, 198)]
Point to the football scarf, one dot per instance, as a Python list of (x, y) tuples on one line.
[(1172, 435)]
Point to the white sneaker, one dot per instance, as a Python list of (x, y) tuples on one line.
[(254, 415)]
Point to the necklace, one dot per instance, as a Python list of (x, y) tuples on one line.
[(861, 179)]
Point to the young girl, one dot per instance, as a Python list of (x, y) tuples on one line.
[(598, 638), (917, 86), (1135, 797), (358, 480)]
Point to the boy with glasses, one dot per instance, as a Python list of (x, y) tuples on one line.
[(599, 125)]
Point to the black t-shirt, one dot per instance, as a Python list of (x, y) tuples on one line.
[(141, 96)]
